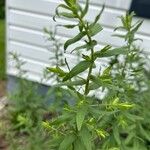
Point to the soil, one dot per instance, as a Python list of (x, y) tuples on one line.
[(3, 145), (2, 88)]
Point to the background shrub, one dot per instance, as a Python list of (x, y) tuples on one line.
[(2, 9)]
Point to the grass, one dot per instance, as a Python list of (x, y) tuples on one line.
[(2, 50)]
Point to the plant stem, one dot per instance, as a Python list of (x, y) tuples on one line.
[(129, 49), (89, 73), (92, 57)]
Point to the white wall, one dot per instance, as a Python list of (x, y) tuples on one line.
[(27, 18)]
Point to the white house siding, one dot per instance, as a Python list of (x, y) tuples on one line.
[(27, 18)]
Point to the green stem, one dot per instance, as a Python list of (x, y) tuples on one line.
[(92, 57), (89, 74), (129, 48)]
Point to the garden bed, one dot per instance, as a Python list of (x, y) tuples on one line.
[(2, 88), (3, 119), (3, 144)]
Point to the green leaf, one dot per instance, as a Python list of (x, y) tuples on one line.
[(100, 82), (58, 71), (80, 116), (116, 51), (86, 57), (107, 71), (99, 15), (67, 142), (86, 46), (61, 6), (55, 142), (82, 66), (73, 83), (67, 15), (113, 52), (119, 28), (78, 145), (138, 25), (102, 133), (74, 40), (144, 133), (70, 26), (57, 10), (86, 137), (70, 2), (95, 29), (81, 27), (129, 138), (85, 9), (61, 119), (133, 117), (119, 36), (103, 50), (114, 148), (116, 135)]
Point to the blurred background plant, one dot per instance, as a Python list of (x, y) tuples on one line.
[(26, 112), (2, 48), (57, 97), (132, 77), (2, 9)]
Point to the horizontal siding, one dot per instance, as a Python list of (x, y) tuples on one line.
[(37, 37), (118, 4), (46, 10), (25, 24)]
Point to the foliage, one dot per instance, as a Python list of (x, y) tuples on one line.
[(25, 101), (78, 120), (131, 76), (55, 47), (56, 96), (93, 124), (2, 50), (26, 112), (2, 9)]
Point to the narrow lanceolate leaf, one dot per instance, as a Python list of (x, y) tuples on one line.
[(62, 119), (95, 29), (70, 2), (99, 15), (86, 137), (133, 31), (103, 50), (61, 6), (100, 82), (79, 145), (70, 26), (116, 135), (73, 83), (113, 52), (57, 70), (82, 66), (74, 40), (144, 133), (67, 142), (85, 9), (86, 46), (107, 71), (67, 15), (80, 116), (116, 51)]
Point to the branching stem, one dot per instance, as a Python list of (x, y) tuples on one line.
[(92, 57)]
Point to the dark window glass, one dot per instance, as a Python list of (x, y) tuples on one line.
[(141, 8)]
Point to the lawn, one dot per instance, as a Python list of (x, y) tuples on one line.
[(2, 50)]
